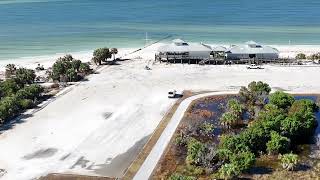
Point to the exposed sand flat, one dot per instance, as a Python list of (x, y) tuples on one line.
[(111, 115)]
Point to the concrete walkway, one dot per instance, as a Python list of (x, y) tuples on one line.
[(150, 163)]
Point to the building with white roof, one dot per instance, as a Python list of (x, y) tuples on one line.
[(180, 49), (250, 50), (219, 49)]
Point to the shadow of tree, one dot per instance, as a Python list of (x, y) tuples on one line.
[(11, 123), (302, 167), (260, 170)]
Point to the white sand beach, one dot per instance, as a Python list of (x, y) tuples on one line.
[(286, 51), (105, 118)]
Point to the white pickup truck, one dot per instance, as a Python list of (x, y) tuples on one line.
[(254, 66), (174, 94)]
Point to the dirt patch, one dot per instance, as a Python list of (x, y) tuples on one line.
[(107, 115), (2, 172)]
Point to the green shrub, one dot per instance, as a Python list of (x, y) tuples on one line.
[(181, 140), (228, 171), (281, 100), (206, 128), (177, 176), (8, 87), (233, 143), (314, 56), (235, 107), (9, 107), (72, 75), (255, 94), (291, 126), (76, 64), (60, 67), (301, 56), (31, 92), (301, 120), (289, 161), (25, 104), (194, 170), (101, 55), (25, 76), (255, 137), (84, 68), (278, 144), (224, 154), (67, 68), (10, 70), (196, 150), (229, 119), (243, 160)]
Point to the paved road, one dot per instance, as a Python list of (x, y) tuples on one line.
[(150, 163)]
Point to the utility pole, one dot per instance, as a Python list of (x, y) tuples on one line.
[(147, 39)]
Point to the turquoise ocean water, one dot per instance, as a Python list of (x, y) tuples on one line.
[(44, 27)]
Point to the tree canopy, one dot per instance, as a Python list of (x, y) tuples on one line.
[(301, 56), (69, 69), (281, 100), (101, 55)]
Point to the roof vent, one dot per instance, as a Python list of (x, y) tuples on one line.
[(253, 44), (180, 42)]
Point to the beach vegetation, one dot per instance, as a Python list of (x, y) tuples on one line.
[(254, 97), (76, 64), (289, 161), (206, 129), (18, 92), (101, 55), (281, 99), (314, 56), (84, 68), (10, 70), (280, 126), (25, 76), (68, 69), (9, 107), (21, 76), (114, 51), (233, 115), (8, 87), (243, 160), (277, 144), (195, 151), (177, 176), (228, 171), (301, 56), (229, 120)]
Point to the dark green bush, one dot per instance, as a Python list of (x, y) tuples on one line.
[(278, 144)]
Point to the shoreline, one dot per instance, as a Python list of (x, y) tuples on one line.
[(137, 101), (286, 51)]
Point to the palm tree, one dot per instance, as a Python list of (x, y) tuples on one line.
[(235, 107), (114, 51), (289, 161), (10, 70), (228, 171), (229, 119)]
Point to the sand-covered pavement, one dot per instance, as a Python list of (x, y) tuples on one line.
[(100, 125)]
